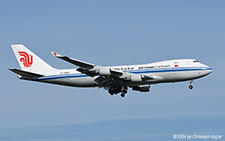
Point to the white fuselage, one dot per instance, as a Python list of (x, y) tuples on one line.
[(115, 79), (162, 72)]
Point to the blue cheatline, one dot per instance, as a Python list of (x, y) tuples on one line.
[(132, 71)]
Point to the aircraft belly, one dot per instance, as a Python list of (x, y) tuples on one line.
[(75, 82), (181, 76), (84, 82)]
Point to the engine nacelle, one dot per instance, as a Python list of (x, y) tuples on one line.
[(142, 88), (135, 78), (105, 71)]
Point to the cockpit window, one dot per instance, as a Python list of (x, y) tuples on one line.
[(195, 61)]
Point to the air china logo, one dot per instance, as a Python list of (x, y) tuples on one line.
[(26, 59)]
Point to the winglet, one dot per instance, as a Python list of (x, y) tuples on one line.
[(56, 54)]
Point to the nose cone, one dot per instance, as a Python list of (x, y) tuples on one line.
[(208, 70)]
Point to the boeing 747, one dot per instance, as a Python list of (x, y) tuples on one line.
[(115, 79)]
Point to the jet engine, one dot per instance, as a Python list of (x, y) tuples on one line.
[(136, 78), (105, 71), (142, 88)]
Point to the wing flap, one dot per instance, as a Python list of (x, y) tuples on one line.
[(86, 71), (106, 81), (116, 73)]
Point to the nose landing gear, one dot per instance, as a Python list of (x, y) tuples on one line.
[(191, 86)]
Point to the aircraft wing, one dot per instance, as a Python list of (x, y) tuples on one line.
[(106, 76), (86, 68), (77, 62)]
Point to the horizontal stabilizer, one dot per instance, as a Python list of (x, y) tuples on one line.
[(26, 74)]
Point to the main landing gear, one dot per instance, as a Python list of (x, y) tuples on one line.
[(122, 94), (118, 89), (191, 86)]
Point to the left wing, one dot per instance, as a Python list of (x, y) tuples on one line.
[(85, 67), (88, 68), (79, 63), (107, 76)]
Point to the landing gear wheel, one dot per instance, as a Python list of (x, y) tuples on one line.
[(122, 95), (111, 91), (190, 87)]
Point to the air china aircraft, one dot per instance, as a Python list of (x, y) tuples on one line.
[(115, 79)]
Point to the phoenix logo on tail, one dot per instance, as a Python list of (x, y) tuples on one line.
[(26, 59)]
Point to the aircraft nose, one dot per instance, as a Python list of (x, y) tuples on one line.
[(209, 70)]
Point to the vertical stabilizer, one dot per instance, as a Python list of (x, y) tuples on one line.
[(28, 61)]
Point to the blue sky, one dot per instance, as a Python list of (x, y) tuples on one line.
[(112, 33)]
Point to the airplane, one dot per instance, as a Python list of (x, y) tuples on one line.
[(115, 79)]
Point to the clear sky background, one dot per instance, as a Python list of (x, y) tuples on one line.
[(118, 32)]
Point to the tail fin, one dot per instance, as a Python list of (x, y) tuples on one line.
[(28, 61)]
